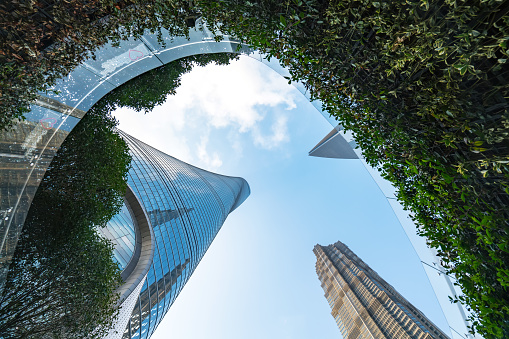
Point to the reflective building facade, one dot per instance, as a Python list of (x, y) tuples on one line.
[(334, 145), (121, 231), (184, 208), (363, 304), (27, 150)]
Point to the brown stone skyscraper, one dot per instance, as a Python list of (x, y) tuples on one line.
[(363, 304)]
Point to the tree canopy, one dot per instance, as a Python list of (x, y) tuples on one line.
[(62, 280), (151, 88)]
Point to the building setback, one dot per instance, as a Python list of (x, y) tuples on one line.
[(363, 304), (172, 211)]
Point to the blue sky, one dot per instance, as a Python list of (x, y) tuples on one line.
[(258, 279)]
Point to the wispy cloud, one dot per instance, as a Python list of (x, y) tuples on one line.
[(244, 97), (279, 134), (211, 159)]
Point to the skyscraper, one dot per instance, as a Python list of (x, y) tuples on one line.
[(363, 304), (334, 145), (172, 211), (340, 144)]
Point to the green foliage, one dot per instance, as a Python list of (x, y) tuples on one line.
[(88, 174), (423, 86), (151, 88), (62, 291), (42, 41), (62, 280)]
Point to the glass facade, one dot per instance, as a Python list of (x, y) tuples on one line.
[(186, 206), (340, 144), (121, 231), (27, 150), (333, 145), (363, 304)]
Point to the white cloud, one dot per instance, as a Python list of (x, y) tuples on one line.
[(232, 95), (235, 99), (160, 129), (279, 134), (212, 160)]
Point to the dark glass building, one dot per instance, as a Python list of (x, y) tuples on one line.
[(363, 304), (172, 212)]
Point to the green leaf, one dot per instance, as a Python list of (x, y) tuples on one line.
[(462, 68), (282, 20)]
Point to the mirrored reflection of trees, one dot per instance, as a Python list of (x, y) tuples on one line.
[(43, 41), (62, 279), (150, 89)]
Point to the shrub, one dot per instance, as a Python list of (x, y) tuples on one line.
[(423, 87), (62, 280)]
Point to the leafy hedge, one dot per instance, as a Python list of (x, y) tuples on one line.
[(42, 41), (62, 280), (424, 87)]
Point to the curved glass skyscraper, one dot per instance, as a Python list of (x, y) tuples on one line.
[(172, 211)]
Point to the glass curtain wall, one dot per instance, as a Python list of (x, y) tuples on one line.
[(186, 207)]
